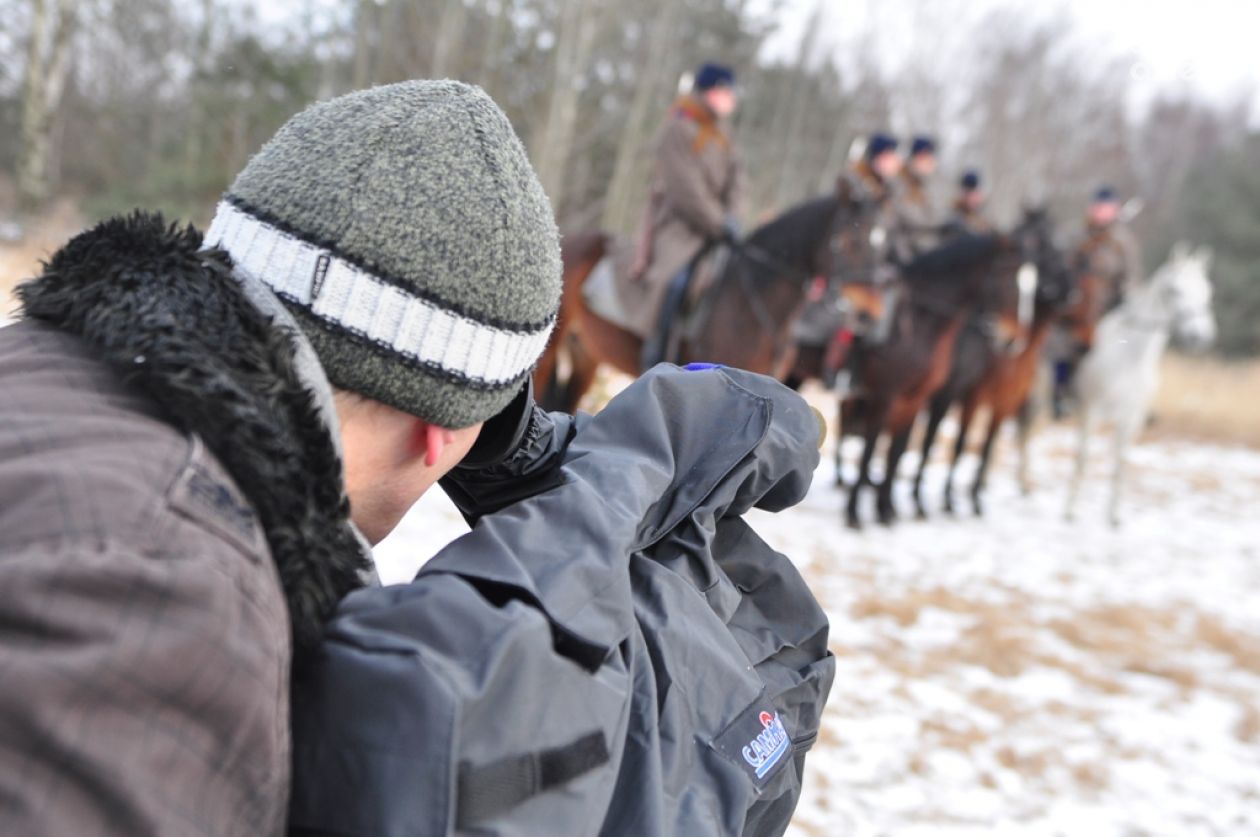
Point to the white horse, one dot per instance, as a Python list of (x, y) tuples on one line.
[(1117, 379)]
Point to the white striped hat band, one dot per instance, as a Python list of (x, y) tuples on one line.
[(345, 295)]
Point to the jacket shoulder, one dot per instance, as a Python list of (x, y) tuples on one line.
[(84, 455), (678, 128)]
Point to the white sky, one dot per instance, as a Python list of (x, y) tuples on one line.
[(1204, 48)]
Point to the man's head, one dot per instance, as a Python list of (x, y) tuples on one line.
[(1105, 207), (407, 234), (715, 84), (923, 157), (882, 157)]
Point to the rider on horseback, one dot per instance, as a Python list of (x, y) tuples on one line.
[(1109, 250), (1108, 253), (826, 326), (969, 206), (695, 192), (916, 228)]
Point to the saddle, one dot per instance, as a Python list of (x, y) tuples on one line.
[(612, 293)]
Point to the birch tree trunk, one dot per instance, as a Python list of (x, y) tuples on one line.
[(450, 38), (365, 15), (790, 181), (488, 72), (625, 191), (48, 61), (552, 142)]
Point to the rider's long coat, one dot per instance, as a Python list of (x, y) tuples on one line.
[(695, 186)]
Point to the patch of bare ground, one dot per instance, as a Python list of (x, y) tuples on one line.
[(1003, 641), (953, 733), (1242, 648), (906, 609), (1129, 638), (1248, 727)]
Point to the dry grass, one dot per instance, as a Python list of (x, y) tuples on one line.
[(1210, 399)]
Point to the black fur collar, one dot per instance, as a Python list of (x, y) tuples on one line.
[(171, 318)]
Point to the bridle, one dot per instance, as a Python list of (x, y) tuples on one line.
[(768, 261)]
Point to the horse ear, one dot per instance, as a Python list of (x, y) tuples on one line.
[(1204, 255)]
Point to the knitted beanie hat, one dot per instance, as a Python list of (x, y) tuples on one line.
[(407, 233)]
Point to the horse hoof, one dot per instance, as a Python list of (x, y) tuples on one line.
[(853, 523), (920, 514)]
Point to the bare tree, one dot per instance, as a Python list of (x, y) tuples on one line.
[(48, 61), (574, 37), (450, 38), (627, 189)]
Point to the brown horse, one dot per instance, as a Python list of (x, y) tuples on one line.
[(940, 291), (747, 311), (999, 373)]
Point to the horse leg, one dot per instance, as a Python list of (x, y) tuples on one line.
[(960, 444), (977, 487), (936, 413), (581, 378), (875, 422), (896, 448), (837, 452), (1023, 427), (1082, 454), (1125, 433)]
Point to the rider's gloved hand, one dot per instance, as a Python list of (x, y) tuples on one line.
[(501, 435), (517, 455)]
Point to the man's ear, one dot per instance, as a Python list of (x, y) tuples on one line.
[(432, 440)]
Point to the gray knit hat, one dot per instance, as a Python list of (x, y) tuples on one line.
[(405, 229)]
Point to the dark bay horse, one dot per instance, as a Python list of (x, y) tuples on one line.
[(940, 291), (749, 308), (998, 370)]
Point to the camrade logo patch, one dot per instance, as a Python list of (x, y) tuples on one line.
[(764, 751)]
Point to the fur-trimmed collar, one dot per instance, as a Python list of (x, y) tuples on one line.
[(172, 319), (709, 127)]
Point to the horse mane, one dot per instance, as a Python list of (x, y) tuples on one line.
[(959, 252), (796, 230)]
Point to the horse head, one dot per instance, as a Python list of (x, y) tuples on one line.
[(1182, 286), (1044, 261), (1007, 297)]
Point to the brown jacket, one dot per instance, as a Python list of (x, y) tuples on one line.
[(148, 592), (913, 231), (969, 219), (695, 186), (131, 572), (864, 184), (1111, 253)]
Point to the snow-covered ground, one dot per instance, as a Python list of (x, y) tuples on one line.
[(1021, 674)]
